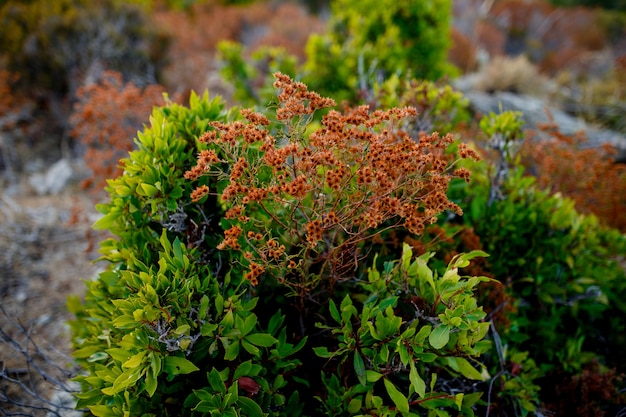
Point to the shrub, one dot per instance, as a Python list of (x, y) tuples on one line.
[(218, 301), (562, 269), (517, 75), (371, 40), (251, 78), (106, 116), (53, 45), (439, 107), (591, 177)]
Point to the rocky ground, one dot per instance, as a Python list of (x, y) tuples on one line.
[(46, 251)]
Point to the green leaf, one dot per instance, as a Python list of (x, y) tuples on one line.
[(465, 368), (439, 337), (397, 397), (232, 350), (261, 339), (249, 324), (178, 251), (359, 368), (175, 365), (250, 348), (103, 411), (106, 222), (424, 272), (372, 376), (151, 383), (215, 380), (249, 407), (123, 381), (458, 400), (243, 369), (322, 352), (147, 190), (462, 260), (135, 360), (416, 381), (118, 354), (334, 313), (355, 405)]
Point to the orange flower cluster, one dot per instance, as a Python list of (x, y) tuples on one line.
[(231, 238), (322, 192), (255, 272), (296, 100)]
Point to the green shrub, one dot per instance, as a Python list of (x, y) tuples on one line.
[(252, 78), (223, 299), (562, 269), (369, 41), (439, 107)]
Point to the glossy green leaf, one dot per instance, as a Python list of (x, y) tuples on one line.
[(175, 365), (396, 396), (359, 368), (439, 336), (249, 407), (416, 381), (464, 367), (261, 339)]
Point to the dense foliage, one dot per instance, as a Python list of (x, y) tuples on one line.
[(247, 330), (303, 259), (369, 41)]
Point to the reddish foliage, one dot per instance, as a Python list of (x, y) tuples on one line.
[(554, 38), (463, 51), (582, 394), (8, 100), (290, 27), (490, 38), (106, 118), (518, 16), (195, 35), (589, 176)]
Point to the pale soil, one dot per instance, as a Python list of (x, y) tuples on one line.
[(46, 252)]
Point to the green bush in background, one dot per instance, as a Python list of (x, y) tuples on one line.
[(365, 44), (369, 41), (564, 271)]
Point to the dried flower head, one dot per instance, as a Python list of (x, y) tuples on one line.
[(316, 195)]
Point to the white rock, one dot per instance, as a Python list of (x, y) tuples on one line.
[(54, 180)]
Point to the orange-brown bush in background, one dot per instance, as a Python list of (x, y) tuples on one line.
[(463, 51), (571, 41), (290, 27), (587, 175), (7, 98), (106, 118), (195, 34), (490, 38), (554, 38)]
